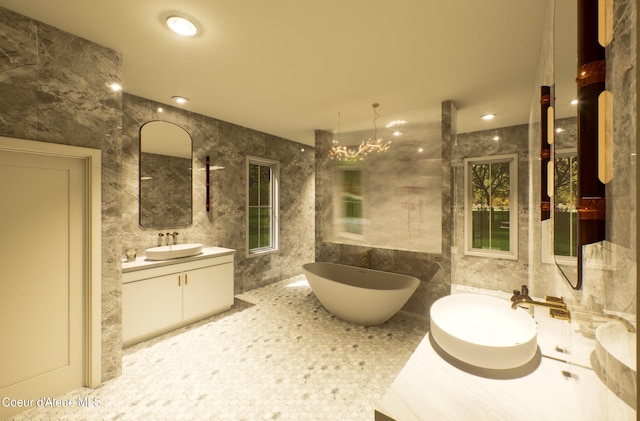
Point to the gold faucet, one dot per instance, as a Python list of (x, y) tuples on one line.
[(557, 307), (367, 259)]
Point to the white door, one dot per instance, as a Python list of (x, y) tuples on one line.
[(42, 276)]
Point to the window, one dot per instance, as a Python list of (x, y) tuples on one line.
[(351, 202), (491, 206), (262, 205), (565, 218)]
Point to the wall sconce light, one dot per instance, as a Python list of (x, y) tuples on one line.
[(546, 139), (207, 170), (595, 118), (605, 137)]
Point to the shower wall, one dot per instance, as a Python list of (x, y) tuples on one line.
[(404, 185)]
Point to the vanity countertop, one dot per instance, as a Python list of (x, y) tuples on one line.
[(431, 388), (142, 263)]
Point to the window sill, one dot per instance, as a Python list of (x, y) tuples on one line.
[(491, 254), (261, 252)]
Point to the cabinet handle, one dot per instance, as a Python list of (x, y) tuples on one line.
[(186, 278), (178, 280)]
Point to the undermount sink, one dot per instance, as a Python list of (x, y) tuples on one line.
[(173, 252), (483, 331)]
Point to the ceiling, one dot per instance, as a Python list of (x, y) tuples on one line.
[(288, 67)]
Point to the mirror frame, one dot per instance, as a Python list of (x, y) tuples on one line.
[(591, 122), (178, 224)]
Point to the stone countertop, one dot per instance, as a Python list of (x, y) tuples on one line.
[(142, 263), (559, 385)]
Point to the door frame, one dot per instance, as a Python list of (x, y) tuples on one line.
[(93, 268)]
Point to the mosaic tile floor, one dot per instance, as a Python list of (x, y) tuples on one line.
[(276, 355)]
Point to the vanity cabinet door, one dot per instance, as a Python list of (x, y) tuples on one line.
[(151, 305), (207, 291)]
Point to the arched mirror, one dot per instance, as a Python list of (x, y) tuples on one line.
[(165, 176), (564, 145)]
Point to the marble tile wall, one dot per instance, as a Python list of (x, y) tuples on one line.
[(392, 249), (610, 279), (488, 272), (227, 145), (54, 88), (622, 201), (610, 275), (612, 285)]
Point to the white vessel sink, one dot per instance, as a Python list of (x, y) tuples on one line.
[(173, 252), (618, 343), (615, 360), (483, 331)]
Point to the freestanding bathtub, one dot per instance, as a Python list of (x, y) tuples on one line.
[(357, 295)]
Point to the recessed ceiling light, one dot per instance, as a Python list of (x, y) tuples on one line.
[(182, 26), (180, 99), (574, 102), (160, 110), (496, 138), (397, 133), (488, 116)]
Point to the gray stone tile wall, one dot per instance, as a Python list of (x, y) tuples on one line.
[(488, 272), (227, 145), (54, 88)]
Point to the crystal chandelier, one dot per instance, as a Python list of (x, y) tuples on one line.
[(368, 146)]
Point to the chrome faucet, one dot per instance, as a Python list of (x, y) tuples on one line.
[(556, 305), (175, 237), (170, 238), (160, 239)]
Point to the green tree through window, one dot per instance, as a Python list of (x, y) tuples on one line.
[(491, 206), (262, 185), (565, 197), (352, 212)]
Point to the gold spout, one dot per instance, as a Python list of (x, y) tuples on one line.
[(367, 259), (556, 305), (560, 314)]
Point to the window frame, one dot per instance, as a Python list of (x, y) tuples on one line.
[(340, 221), (274, 205), (560, 259), (512, 160)]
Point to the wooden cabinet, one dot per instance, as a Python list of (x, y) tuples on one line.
[(158, 299)]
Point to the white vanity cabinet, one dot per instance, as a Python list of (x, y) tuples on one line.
[(161, 296), (206, 291)]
